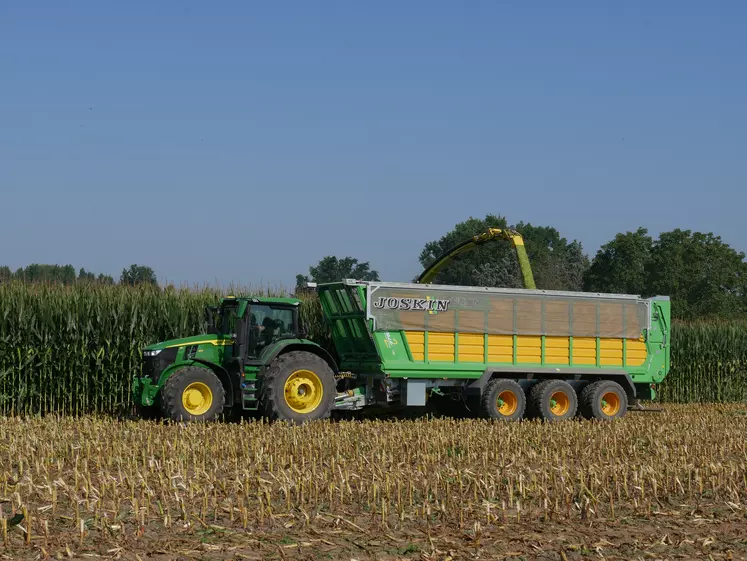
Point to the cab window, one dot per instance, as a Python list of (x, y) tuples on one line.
[(266, 324)]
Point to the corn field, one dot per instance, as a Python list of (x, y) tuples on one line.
[(665, 486), (74, 349), (709, 363)]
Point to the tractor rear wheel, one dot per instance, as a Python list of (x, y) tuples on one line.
[(604, 400), (503, 399), (193, 394), (553, 400), (298, 386)]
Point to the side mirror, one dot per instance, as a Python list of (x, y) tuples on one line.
[(210, 319)]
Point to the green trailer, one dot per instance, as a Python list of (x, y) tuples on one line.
[(513, 353)]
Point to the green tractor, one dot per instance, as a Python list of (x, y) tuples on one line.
[(198, 378)]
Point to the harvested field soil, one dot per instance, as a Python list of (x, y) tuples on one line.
[(671, 485)]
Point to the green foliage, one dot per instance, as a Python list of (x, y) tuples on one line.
[(61, 274), (138, 274), (709, 363), (87, 276), (557, 264), (332, 269), (620, 265), (704, 277), (36, 272)]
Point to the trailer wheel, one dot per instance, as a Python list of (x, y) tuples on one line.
[(298, 386), (604, 400), (503, 399), (193, 394), (553, 400)]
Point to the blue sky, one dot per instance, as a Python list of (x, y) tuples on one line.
[(243, 141)]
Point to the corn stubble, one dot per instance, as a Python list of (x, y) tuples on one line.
[(94, 481)]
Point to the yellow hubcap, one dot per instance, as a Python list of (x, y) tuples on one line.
[(197, 398), (610, 404), (303, 391), (559, 403), (507, 403)]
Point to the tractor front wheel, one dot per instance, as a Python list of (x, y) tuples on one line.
[(193, 394), (298, 386)]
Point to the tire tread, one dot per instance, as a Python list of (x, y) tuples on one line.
[(171, 395), (269, 397), (487, 399)]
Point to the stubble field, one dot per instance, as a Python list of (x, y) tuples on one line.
[(669, 485)]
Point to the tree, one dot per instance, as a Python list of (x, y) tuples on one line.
[(703, 276), (138, 274), (620, 265), (85, 276), (556, 263), (36, 272), (332, 269), (64, 274), (105, 279)]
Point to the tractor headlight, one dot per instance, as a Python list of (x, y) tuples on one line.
[(151, 353)]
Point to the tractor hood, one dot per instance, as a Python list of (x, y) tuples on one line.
[(207, 339)]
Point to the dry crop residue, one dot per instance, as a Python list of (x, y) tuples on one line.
[(648, 486)]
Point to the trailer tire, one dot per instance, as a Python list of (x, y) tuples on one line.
[(553, 400), (503, 399), (604, 400), (298, 386), (193, 394)]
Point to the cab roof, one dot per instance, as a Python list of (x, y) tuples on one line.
[(262, 300)]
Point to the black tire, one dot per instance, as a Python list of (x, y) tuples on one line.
[(275, 403), (604, 400), (541, 398), (510, 393), (192, 378)]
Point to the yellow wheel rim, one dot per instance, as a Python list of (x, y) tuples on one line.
[(507, 403), (559, 403), (610, 404), (303, 391), (197, 398)]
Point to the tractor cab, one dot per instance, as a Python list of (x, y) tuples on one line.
[(254, 324)]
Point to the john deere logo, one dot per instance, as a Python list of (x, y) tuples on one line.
[(412, 304)]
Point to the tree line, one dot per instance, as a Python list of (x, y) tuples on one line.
[(703, 275), (66, 274)]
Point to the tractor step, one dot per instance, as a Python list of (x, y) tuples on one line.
[(249, 398)]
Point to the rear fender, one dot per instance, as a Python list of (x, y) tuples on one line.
[(301, 345)]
